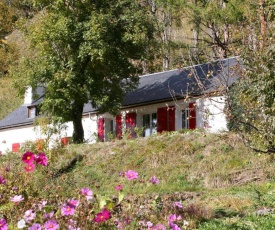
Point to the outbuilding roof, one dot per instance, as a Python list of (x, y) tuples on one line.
[(153, 88)]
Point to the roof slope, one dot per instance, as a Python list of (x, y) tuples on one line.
[(192, 81)]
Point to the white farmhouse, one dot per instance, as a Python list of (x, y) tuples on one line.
[(187, 98)]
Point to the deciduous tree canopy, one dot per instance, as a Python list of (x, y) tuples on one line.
[(87, 51)]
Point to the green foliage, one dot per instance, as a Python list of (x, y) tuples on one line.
[(253, 104), (86, 52)]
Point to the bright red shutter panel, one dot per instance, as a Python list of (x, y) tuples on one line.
[(171, 112), (64, 141), (118, 126), (192, 115), (100, 129), (131, 123), (15, 147), (162, 119)]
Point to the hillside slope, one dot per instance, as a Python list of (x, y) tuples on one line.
[(220, 183)]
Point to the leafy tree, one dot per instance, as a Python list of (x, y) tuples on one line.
[(252, 109), (87, 51)]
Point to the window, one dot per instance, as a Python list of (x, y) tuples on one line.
[(32, 112), (189, 117), (149, 124), (185, 118)]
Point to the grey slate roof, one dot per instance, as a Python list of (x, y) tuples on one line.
[(156, 87)]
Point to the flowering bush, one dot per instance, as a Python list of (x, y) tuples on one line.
[(85, 210)]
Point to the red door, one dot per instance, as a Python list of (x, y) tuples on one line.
[(192, 115), (131, 123), (118, 126), (100, 129)]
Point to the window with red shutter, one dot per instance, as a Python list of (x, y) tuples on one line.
[(15, 147), (100, 129), (119, 126), (192, 115), (166, 119), (131, 123)]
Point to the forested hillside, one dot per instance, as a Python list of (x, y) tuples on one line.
[(64, 44)]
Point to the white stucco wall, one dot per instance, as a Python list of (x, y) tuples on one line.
[(209, 115)]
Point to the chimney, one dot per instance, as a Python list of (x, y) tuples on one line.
[(28, 96)]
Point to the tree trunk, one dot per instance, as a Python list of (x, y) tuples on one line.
[(78, 133)]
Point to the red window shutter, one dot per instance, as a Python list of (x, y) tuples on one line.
[(119, 126), (162, 119), (171, 122), (166, 119), (131, 123), (64, 141), (100, 129), (192, 115), (15, 147)]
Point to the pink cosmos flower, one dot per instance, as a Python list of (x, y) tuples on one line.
[(42, 205), (178, 204), (17, 199), (29, 167), (41, 159), (172, 218), (154, 180), (87, 192), (29, 215), (102, 216), (159, 227), (28, 157), (73, 203), (35, 226), (3, 224), (130, 174), (174, 226), (119, 187), (67, 210), (72, 225), (2, 180), (48, 215), (51, 225)]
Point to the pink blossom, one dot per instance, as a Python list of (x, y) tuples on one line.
[(2, 180), (67, 210), (73, 203), (159, 227), (35, 226), (48, 215), (119, 187), (87, 192), (172, 218), (102, 216), (42, 205), (41, 159), (154, 180), (28, 157), (178, 204), (3, 224), (72, 225), (17, 199), (130, 174), (29, 167), (51, 225), (29, 215), (174, 226)]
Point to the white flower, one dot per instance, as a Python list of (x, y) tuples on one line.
[(21, 223)]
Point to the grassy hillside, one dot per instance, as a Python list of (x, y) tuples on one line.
[(220, 183)]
